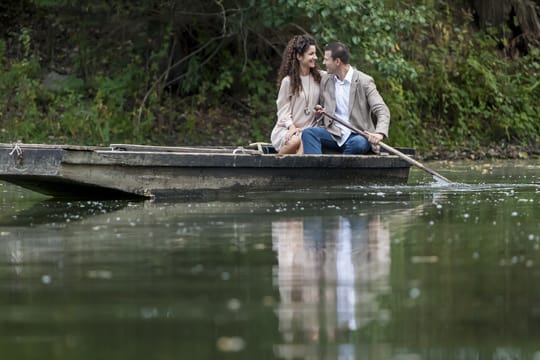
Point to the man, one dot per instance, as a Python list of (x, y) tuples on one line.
[(351, 96)]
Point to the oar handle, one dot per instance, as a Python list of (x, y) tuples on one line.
[(388, 148)]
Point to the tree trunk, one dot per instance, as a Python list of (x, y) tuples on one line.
[(522, 17)]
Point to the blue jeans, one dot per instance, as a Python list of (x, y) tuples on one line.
[(316, 139)]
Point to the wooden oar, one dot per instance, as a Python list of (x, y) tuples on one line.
[(389, 148)]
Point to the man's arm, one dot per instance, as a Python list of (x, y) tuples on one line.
[(378, 108)]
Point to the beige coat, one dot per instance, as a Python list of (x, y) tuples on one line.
[(290, 108), (364, 101)]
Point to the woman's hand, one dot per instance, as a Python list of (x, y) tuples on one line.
[(292, 131)]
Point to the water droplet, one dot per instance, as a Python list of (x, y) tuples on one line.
[(46, 279), (425, 259), (414, 293), (234, 304), (197, 269), (100, 274), (268, 301), (230, 344), (149, 313)]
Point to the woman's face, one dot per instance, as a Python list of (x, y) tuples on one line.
[(309, 58)]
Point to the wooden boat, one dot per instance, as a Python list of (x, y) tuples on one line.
[(123, 170)]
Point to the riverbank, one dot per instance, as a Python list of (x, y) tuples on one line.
[(496, 151)]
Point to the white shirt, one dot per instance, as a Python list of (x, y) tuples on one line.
[(342, 90)]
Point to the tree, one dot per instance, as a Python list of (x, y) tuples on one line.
[(521, 17)]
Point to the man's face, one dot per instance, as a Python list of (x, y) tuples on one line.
[(330, 64)]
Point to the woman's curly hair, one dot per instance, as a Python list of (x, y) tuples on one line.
[(290, 66)]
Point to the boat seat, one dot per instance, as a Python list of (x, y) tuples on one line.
[(265, 148)]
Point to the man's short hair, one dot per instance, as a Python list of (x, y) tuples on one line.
[(339, 51)]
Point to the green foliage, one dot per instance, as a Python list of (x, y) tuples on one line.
[(260, 92), (20, 115), (51, 3), (79, 112), (198, 72), (466, 93), (372, 31)]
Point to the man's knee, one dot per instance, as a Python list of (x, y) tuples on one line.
[(308, 131), (357, 145)]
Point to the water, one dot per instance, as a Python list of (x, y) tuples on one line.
[(423, 271)]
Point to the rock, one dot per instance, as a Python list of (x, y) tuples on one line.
[(54, 81)]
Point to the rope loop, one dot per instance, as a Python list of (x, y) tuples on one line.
[(239, 149), (17, 151)]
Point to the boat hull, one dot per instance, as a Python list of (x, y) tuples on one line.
[(147, 171)]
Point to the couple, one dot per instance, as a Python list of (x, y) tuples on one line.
[(342, 91)]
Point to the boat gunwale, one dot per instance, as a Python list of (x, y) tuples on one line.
[(64, 170)]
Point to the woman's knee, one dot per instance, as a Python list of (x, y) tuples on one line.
[(291, 146)]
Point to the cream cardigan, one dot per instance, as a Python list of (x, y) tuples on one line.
[(306, 99)]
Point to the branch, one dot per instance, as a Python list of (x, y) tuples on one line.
[(164, 74)]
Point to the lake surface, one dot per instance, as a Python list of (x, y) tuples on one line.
[(422, 271)]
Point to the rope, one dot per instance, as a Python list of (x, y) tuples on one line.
[(239, 149), (16, 149)]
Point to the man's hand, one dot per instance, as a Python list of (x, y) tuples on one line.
[(375, 138), (319, 110)]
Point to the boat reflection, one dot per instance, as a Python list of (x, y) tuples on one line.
[(52, 211), (330, 273)]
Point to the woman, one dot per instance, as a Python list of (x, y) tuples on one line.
[(298, 81)]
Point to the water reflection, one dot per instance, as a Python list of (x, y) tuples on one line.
[(51, 211), (409, 272), (331, 272)]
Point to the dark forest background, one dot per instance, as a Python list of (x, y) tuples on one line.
[(455, 74)]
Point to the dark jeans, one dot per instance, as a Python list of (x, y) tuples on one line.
[(316, 139)]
